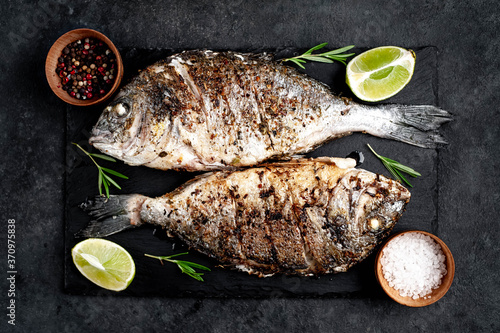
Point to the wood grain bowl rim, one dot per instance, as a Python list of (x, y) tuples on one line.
[(55, 52), (436, 294)]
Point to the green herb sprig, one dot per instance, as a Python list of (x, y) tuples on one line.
[(103, 179), (395, 168), (187, 267), (327, 57)]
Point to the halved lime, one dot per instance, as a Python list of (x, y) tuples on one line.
[(105, 263), (380, 73)]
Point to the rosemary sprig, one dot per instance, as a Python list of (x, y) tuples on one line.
[(187, 267), (328, 57), (103, 179), (395, 168)]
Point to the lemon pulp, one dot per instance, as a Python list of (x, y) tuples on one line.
[(380, 73), (105, 263)]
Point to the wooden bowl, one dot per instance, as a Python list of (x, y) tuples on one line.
[(436, 294), (55, 52)]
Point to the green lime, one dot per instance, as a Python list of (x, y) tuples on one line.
[(380, 73), (105, 263)]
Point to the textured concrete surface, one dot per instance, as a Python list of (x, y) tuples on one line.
[(32, 122)]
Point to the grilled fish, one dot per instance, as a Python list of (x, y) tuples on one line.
[(301, 217), (204, 110)]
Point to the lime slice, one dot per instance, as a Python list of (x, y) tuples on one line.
[(105, 263), (380, 73)]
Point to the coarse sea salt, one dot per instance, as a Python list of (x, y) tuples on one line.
[(413, 264)]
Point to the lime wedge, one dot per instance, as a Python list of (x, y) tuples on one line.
[(380, 73), (105, 263)]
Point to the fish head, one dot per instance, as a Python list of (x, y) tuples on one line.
[(118, 126), (377, 202), (367, 207)]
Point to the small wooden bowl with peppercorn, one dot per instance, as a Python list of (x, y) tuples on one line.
[(84, 67)]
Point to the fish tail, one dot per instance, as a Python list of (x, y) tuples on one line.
[(111, 215), (417, 125)]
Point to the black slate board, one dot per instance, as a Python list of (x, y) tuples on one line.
[(153, 279)]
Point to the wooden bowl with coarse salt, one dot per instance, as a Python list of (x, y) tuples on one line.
[(395, 294)]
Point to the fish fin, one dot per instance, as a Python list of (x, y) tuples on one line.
[(417, 125), (111, 215)]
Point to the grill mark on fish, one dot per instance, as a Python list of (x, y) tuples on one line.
[(237, 230), (195, 89), (309, 260), (312, 231), (283, 232), (304, 233), (263, 125)]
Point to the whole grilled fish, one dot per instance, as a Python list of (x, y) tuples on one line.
[(302, 217), (204, 110)]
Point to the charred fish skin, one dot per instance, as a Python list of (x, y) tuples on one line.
[(204, 110), (303, 217), (217, 110)]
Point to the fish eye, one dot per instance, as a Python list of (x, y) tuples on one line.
[(374, 223), (121, 109)]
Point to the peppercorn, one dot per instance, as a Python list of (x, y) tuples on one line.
[(84, 64)]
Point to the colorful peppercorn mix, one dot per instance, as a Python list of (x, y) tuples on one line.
[(87, 68)]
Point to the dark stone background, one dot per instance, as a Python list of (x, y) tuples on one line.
[(32, 131)]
